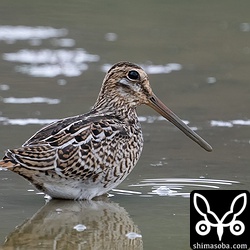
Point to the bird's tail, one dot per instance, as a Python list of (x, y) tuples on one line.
[(6, 164), (8, 161)]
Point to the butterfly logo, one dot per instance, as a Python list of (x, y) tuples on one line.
[(210, 219)]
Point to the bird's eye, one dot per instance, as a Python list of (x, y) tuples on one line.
[(133, 75)]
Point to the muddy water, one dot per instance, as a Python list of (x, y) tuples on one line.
[(52, 60)]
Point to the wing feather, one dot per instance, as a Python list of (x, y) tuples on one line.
[(79, 144)]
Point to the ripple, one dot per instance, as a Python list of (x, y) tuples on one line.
[(125, 192), (173, 186)]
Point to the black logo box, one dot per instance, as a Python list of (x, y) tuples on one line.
[(220, 202)]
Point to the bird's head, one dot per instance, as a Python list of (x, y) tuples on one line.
[(127, 85)]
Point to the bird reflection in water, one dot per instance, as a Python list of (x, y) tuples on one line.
[(62, 224)]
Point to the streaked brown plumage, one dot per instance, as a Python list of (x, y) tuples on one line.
[(85, 156)]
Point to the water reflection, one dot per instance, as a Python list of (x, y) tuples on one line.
[(11, 34), (30, 100), (45, 62), (152, 69), (27, 121), (54, 62), (99, 224), (142, 119), (51, 63), (245, 27), (230, 124)]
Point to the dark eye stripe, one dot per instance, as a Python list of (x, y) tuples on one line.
[(133, 75)]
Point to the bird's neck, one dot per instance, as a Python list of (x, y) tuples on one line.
[(115, 107)]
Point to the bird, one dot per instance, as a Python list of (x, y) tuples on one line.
[(87, 155)]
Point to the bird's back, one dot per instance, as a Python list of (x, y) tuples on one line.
[(79, 153)]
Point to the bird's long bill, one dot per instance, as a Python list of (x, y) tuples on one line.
[(157, 105)]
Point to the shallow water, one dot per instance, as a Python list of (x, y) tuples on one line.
[(52, 61)]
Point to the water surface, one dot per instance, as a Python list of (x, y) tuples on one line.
[(52, 61)]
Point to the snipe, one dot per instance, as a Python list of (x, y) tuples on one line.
[(87, 155)]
